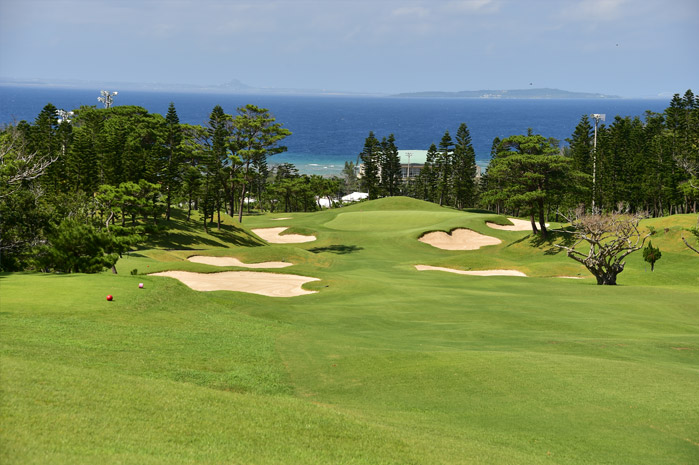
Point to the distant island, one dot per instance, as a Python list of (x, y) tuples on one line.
[(544, 93)]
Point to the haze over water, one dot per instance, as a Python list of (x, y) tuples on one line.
[(329, 130)]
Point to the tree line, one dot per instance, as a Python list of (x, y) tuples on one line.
[(109, 176), (649, 164), (114, 174)]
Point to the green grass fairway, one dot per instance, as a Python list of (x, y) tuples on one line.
[(383, 365)]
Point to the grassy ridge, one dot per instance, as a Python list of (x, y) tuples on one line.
[(384, 365)]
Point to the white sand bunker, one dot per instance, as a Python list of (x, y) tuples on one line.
[(471, 273), (272, 235), (517, 225), (278, 219), (230, 261), (459, 239), (254, 282)]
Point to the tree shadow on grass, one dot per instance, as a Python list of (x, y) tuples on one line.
[(181, 234), (337, 249), (479, 210), (548, 244), (553, 238)]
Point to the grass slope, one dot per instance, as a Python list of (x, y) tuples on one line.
[(384, 365)]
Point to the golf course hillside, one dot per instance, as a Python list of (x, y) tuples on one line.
[(354, 336)]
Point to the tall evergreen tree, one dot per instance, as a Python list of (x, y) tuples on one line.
[(426, 181), (256, 136), (219, 130), (464, 169), (391, 171), (370, 156), (173, 168), (443, 167), (581, 152)]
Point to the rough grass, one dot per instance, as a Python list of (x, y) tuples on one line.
[(384, 365)]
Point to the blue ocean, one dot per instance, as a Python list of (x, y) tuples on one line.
[(329, 130)]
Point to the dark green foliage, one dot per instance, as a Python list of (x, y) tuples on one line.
[(464, 169), (426, 182), (123, 168), (391, 176), (581, 145), (651, 255), (651, 164), (256, 136), (527, 175), (76, 247), (581, 152), (443, 166), (371, 156), (173, 169), (291, 192)]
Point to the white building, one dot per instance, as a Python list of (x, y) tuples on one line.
[(355, 197)]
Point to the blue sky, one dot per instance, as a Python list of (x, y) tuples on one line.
[(633, 48)]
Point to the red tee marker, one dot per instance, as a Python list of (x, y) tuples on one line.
[(109, 298)]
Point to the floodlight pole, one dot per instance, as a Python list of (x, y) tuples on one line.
[(107, 98), (597, 117), (409, 154), (64, 116)]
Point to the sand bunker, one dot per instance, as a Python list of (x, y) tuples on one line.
[(459, 239), (278, 219), (471, 273), (272, 235), (517, 225), (230, 261), (269, 284)]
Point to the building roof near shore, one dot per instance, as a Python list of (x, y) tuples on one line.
[(417, 157), (355, 197)]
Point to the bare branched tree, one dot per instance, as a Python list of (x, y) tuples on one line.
[(611, 238), (693, 170), (17, 164), (695, 232)]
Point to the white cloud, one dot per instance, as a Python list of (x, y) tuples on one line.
[(595, 10), (472, 6)]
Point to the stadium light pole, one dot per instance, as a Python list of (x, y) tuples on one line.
[(64, 116), (107, 98), (597, 117)]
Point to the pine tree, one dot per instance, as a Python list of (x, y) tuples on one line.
[(426, 182), (173, 168), (581, 145), (443, 167), (256, 136), (529, 173), (370, 157), (219, 139), (391, 171), (464, 169)]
